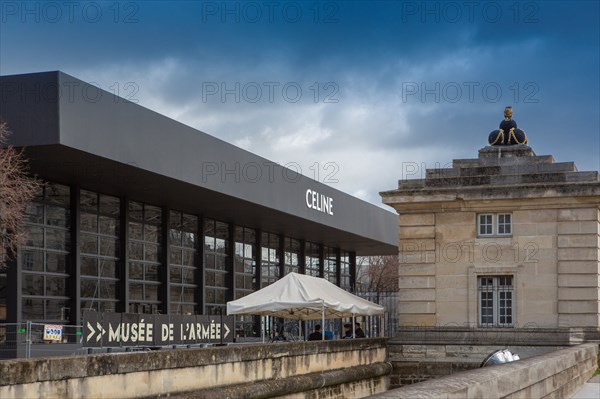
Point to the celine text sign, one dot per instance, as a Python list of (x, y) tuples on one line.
[(319, 202), (125, 329)]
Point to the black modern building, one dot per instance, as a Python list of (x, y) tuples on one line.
[(143, 214)]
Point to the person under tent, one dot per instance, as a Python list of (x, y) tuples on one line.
[(358, 332), (316, 334)]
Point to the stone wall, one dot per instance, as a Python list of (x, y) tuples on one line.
[(553, 375), (423, 353), (356, 368), (417, 363), (417, 284), (552, 254), (532, 335), (412, 372), (578, 267)]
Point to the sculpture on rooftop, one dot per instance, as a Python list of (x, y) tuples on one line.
[(508, 134)]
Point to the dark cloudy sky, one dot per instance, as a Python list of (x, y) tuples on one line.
[(358, 93)]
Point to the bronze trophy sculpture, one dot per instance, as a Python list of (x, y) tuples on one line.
[(508, 134)]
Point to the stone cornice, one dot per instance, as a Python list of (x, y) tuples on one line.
[(512, 174)]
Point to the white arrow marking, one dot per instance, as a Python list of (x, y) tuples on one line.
[(101, 331), (227, 330), (91, 334)]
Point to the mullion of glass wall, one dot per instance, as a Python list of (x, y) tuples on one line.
[(45, 257), (330, 265), (144, 229), (183, 244), (216, 246), (245, 275), (292, 252), (270, 258), (313, 260), (345, 271), (244, 262), (99, 250)]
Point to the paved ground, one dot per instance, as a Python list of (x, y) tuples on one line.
[(589, 390)]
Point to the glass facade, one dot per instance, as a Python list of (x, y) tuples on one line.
[(245, 275), (132, 257), (330, 265), (183, 244), (245, 262), (144, 250), (216, 267), (292, 253), (312, 260), (269, 260), (44, 259), (99, 225), (345, 271)]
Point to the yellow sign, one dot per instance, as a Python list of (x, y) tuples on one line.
[(52, 332)]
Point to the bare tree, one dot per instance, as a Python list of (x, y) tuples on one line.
[(17, 188), (377, 274)]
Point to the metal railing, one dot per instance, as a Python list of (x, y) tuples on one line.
[(29, 339), (390, 323)]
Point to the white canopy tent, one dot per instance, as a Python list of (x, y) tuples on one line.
[(301, 297)]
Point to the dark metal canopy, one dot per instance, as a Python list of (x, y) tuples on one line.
[(77, 134)]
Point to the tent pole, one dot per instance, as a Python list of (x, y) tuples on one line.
[(305, 329), (262, 328), (323, 322), (353, 326)]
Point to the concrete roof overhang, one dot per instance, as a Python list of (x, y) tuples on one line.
[(74, 133)]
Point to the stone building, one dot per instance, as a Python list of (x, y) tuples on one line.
[(509, 239)]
